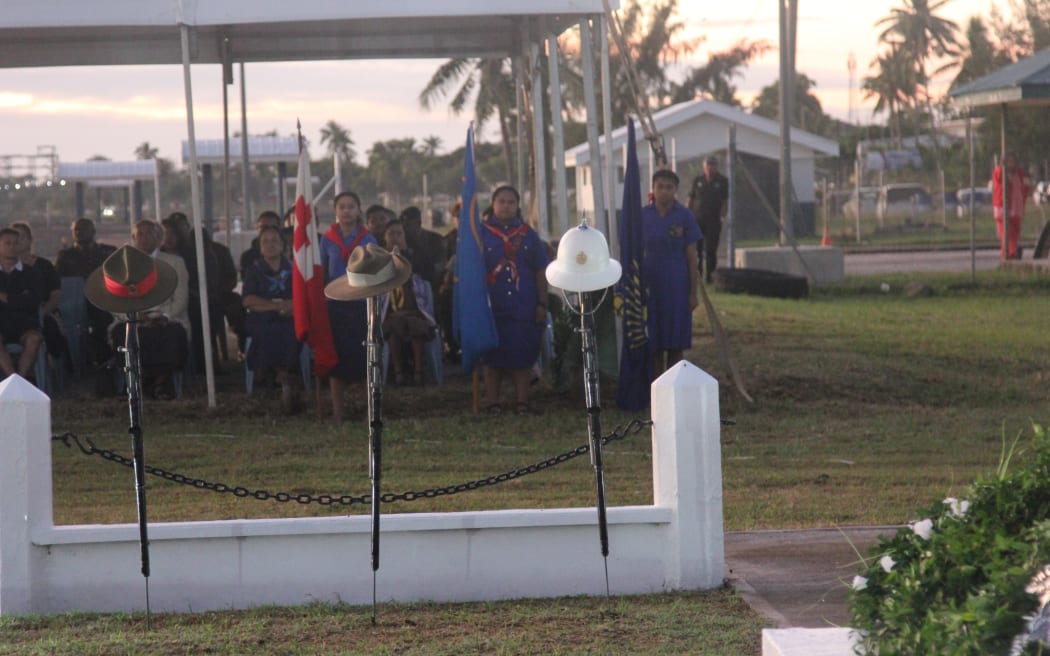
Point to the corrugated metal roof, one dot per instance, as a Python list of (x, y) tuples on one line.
[(1026, 82), (78, 33), (139, 169), (261, 150)]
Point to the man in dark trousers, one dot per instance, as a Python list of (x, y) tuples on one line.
[(709, 201)]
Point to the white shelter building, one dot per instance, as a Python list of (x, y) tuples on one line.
[(693, 130)]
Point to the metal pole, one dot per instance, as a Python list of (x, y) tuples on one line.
[(610, 164), (337, 166), (156, 192), (597, 189), (227, 79), (594, 423), (973, 223), (1004, 178), (133, 378), (560, 186), (195, 193), (786, 228), (519, 79), (244, 151), (375, 428), (539, 138), (731, 206), (856, 190)]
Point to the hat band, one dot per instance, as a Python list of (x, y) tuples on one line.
[(371, 279), (132, 290)]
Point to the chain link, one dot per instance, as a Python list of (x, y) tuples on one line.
[(87, 447)]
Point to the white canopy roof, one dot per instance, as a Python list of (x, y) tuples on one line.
[(78, 33)]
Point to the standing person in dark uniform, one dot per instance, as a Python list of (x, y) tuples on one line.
[(709, 201)]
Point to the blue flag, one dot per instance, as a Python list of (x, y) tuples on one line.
[(472, 322), (632, 392)]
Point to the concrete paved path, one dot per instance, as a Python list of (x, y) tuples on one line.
[(798, 578)]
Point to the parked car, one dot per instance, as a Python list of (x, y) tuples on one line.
[(869, 196), (1041, 195), (982, 199), (908, 200)]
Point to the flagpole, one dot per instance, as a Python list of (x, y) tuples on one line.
[(375, 428)]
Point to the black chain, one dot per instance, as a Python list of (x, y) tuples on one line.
[(87, 446)]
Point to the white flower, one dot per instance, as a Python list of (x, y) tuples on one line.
[(887, 563), (859, 582), (924, 528), (958, 508)]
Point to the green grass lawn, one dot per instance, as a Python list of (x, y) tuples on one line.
[(868, 405)]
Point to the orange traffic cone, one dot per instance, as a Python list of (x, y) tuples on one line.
[(826, 239)]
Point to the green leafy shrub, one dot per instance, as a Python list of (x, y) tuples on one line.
[(954, 581)]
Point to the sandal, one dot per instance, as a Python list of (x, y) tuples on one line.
[(494, 409)]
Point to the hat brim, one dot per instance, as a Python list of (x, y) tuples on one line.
[(340, 289), (96, 292), (583, 282)]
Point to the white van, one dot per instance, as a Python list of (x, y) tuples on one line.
[(906, 200)]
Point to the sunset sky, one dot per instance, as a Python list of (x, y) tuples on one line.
[(84, 111)]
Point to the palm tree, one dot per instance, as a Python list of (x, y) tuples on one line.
[(338, 141), (489, 82), (894, 85), (393, 165), (145, 151), (653, 43), (809, 113), (979, 56), (921, 34), (715, 78), (431, 145)]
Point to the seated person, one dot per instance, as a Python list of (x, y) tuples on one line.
[(408, 314), (20, 303), (427, 246), (376, 219), (80, 260), (163, 329), (248, 257), (50, 291), (271, 321)]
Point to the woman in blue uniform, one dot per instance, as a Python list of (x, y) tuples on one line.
[(670, 270), (516, 262)]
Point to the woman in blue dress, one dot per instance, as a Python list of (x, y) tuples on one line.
[(349, 319), (270, 323), (516, 262), (670, 271)]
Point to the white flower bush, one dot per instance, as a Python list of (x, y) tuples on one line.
[(959, 507), (923, 528)]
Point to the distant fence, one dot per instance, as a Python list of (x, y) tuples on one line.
[(677, 543)]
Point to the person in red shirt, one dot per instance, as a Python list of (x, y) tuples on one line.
[(1018, 190)]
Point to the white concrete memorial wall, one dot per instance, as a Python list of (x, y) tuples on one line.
[(676, 543)]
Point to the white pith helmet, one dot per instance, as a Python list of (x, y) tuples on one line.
[(583, 263)]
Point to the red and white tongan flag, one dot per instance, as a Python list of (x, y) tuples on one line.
[(311, 313)]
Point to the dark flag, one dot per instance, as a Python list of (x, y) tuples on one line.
[(636, 366), (472, 320)]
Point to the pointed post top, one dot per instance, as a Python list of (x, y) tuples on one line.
[(299, 133)]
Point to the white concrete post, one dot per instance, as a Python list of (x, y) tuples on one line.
[(687, 475), (25, 490)]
